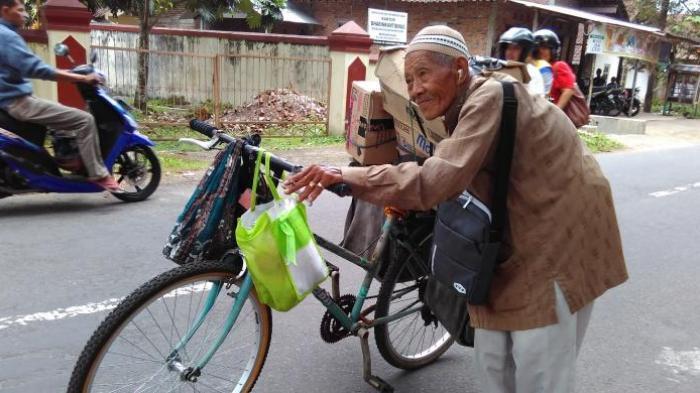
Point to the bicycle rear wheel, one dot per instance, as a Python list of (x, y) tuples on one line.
[(132, 349), (415, 340)]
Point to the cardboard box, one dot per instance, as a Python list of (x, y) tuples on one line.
[(390, 72), (411, 142), (370, 135)]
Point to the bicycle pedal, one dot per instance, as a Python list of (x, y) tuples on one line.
[(380, 384)]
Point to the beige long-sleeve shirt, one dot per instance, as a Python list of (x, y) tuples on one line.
[(561, 220)]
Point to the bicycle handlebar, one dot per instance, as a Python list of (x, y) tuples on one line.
[(340, 189)]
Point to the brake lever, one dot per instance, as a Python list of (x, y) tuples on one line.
[(204, 145)]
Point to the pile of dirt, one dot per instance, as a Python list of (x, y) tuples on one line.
[(279, 105)]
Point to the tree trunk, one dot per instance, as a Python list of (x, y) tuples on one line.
[(663, 14), (141, 97), (651, 85)]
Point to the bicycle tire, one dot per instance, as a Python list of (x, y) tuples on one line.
[(383, 333), (102, 339)]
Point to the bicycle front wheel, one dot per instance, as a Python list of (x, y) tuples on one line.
[(142, 345)]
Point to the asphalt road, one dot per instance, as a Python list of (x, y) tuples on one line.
[(63, 257)]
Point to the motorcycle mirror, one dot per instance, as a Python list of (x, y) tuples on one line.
[(93, 57), (61, 50)]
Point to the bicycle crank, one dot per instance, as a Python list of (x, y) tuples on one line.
[(332, 330)]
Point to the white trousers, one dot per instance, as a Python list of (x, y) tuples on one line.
[(541, 360)]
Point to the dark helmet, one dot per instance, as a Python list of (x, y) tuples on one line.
[(547, 38), (516, 35)]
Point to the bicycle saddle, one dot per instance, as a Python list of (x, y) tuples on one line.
[(34, 133)]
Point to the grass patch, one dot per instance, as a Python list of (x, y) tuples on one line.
[(268, 142), (272, 143), (174, 162), (174, 155), (598, 142)]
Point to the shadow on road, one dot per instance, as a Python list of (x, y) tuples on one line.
[(27, 207)]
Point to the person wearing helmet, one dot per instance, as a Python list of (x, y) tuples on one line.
[(516, 45), (563, 78)]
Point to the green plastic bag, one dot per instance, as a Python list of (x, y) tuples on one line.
[(278, 246)]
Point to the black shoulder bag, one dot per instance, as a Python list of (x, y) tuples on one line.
[(466, 240)]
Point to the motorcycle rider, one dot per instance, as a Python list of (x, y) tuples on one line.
[(516, 45), (17, 63)]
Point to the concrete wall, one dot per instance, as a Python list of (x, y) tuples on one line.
[(186, 70), (43, 89)]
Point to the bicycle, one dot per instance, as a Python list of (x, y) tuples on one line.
[(223, 320)]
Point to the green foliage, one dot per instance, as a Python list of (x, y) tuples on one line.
[(683, 15), (259, 12), (598, 142)]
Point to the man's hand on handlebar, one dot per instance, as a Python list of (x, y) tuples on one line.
[(67, 76), (93, 79), (313, 179)]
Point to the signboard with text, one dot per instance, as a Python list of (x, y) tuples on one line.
[(623, 42), (387, 26)]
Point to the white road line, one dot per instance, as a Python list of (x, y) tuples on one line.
[(85, 309), (680, 362), (674, 190), (59, 313)]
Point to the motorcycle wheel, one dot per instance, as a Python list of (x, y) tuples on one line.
[(137, 170), (613, 109), (634, 111)]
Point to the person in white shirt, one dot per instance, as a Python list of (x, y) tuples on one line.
[(516, 45)]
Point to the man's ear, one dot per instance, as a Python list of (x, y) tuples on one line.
[(462, 65)]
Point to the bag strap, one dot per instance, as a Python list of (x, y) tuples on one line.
[(504, 157), (256, 180), (268, 178)]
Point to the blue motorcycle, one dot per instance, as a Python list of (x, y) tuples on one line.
[(26, 166)]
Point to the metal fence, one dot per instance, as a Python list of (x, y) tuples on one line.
[(222, 88)]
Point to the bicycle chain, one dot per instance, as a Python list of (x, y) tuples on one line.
[(332, 330)]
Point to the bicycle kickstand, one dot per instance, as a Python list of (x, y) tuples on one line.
[(374, 381)]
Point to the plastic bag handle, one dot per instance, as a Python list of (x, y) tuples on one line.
[(268, 178), (256, 180)]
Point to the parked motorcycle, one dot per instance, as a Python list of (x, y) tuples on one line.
[(630, 103), (606, 102), (27, 167)]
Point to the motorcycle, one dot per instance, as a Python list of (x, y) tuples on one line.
[(630, 102), (26, 166), (606, 102)]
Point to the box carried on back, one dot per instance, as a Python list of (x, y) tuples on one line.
[(370, 138)]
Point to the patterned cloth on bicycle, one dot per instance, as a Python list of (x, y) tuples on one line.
[(204, 229)]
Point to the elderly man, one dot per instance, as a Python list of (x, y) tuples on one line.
[(562, 238)]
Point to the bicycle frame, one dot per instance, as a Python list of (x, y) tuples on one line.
[(352, 323)]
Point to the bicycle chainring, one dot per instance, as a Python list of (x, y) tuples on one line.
[(332, 330)]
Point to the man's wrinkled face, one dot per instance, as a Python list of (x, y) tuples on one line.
[(16, 15), (431, 85), (513, 52)]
